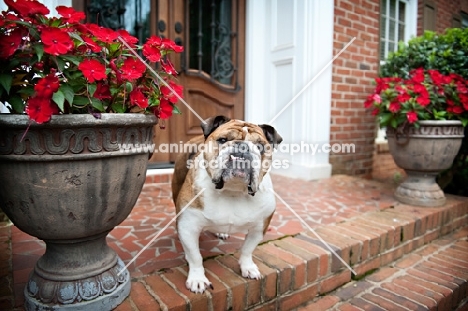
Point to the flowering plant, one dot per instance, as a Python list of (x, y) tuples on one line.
[(57, 65), (425, 95)]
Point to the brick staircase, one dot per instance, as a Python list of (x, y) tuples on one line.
[(405, 258)]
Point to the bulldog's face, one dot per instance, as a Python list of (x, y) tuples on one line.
[(238, 152)]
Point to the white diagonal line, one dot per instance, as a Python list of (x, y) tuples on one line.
[(312, 81), (161, 79), (161, 231), (315, 233)]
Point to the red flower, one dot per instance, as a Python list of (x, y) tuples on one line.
[(165, 109), (412, 116), (168, 67), (167, 93), (47, 86), (168, 44), (102, 91), (56, 41), (137, 98), (419, 88), (417, 75), (375, 111), (27, 7), (403, 97), (9, 44), (423, 100), (128, 38), (41, 109), (132, 69), (464, 100), (461, 87), (369, 101), (436, 77), (93, 70), (455, 109), (394, 107), (69, 14), (104, 34), (151, 49), (91, 44)]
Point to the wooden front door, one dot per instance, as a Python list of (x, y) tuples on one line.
[(211, 68)]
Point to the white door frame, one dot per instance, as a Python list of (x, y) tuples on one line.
[(293, 37)]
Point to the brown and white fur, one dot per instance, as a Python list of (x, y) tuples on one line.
[(236, 198)]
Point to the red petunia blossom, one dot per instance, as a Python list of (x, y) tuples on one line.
[(102, 91), (423, 100), (417, 75), (92, 45), (419, 88), (436, 77), (412, 116), (369, 101), (403, 97), (455, 109), (41, 109), (462, 87), (137, 98), (128, 38), (168, 67), (151, 49), (27, 7), (104, 34), (168, 44), (132, 69), (69, 14), (165, 109), (47, 86), (167, 93), (375, 112), (56, 41), (464, 100), (93, 70), (394, 107), (9, 44)]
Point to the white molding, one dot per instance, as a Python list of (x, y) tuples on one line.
[(308, 117)]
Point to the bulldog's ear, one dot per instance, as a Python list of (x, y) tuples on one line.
[(211, 124), (271, 135)]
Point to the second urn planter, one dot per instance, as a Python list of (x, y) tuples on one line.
[(423, 153)]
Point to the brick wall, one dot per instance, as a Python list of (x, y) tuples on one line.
[(445, 11), (353, 72)]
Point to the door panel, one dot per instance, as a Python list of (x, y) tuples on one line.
[(212, 65)]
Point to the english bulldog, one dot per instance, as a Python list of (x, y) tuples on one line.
[(229, 179)]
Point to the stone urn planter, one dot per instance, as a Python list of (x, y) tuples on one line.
[(68, 183), (423, 153)]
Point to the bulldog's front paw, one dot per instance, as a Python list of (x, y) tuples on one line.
[(197, 281), (250, 270)]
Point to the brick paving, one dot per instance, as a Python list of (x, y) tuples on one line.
[(358, 217)]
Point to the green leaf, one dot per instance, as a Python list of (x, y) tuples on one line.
[(16, 103), (72, 59), (97, 104), (80, 101), (60, 63), (385, 118), (67, 92), (128, 87), (114, 47), (39, 48), (59, 98), (5, 81), (118, 107), (175, 109), (91, 89), (76, 36)]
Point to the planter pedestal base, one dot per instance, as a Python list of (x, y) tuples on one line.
[(81, 274), (420, 189)]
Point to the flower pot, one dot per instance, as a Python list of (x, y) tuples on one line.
[(68, 183), (423, 153)]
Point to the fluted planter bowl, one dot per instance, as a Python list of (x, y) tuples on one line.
[(69, 182), (423, 153)]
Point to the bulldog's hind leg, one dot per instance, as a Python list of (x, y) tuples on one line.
[(248, 268), (196, 280)]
